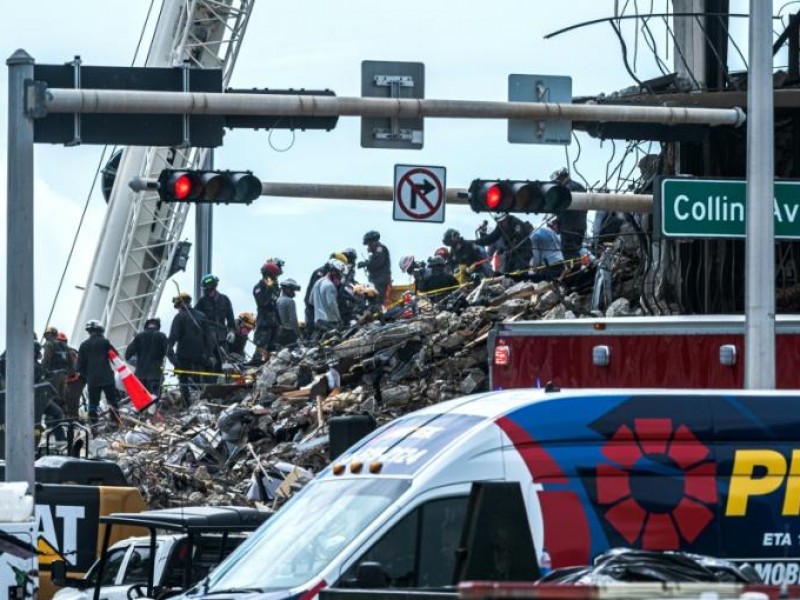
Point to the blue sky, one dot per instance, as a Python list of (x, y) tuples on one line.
[(469, 48)]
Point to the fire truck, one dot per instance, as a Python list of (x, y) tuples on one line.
[(626, 352)]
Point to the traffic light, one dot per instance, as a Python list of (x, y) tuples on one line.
[(228, 187), (505, 195)]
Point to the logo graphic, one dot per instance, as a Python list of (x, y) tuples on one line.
[(658, 491)]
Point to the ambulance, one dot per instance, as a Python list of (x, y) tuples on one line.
[(504, 485)]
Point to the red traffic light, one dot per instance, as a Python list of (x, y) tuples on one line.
[(494, 196), (212, 187), (518, 196)]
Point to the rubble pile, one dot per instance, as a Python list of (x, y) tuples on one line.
[(261, 436)]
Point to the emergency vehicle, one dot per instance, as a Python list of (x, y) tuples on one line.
[(496, 486), (626, 352)]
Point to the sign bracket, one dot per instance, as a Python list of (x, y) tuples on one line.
[(394, 83), (76, 118)]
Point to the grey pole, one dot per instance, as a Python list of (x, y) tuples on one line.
[(759, 339), (203, 225), (200, 103), (19, 299)]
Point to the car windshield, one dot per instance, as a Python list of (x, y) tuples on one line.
[(303, 538)]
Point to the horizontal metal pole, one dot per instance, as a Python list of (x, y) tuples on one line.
[(640, 203), (197, 103)]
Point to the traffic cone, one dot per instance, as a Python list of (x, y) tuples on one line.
[(138, 394)]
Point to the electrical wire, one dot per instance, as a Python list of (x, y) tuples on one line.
[(92, 186)]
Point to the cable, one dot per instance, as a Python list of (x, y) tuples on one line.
[(91, 188)]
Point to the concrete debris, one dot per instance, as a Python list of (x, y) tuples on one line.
[(259, 437)]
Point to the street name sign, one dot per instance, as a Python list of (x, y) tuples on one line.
[(717, 208)]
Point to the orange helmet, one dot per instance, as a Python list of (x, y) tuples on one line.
[(61, 336)]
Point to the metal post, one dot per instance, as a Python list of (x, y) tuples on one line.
[(760, 247), (203, 235), (19, 299)]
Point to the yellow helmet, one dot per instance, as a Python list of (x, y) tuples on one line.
[(182, 299), (248, 319), (341, 256)]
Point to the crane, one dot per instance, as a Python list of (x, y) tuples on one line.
[(141, 235)]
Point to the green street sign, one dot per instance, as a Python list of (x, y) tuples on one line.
[(717, 208)]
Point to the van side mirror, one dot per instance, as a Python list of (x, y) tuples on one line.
[(58, 575), (370, 575)]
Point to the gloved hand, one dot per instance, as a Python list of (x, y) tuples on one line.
[(361, 264), (231, 337)]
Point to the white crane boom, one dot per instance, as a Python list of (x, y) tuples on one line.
[(140, 235)]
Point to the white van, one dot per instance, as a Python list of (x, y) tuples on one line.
[(486, 486)]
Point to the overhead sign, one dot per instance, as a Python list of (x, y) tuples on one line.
[(539, 88), (419, 193), (717, 208), (386, 79)]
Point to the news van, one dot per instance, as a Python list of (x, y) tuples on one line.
[(502, 485)]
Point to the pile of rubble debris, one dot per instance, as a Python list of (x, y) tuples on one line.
[(259, 437)]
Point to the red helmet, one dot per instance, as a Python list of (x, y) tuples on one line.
[(443, 252), (271, 269), (61, 336)]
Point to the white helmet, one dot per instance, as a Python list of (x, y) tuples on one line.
[(94, 325), (335, 264), (405, 263)]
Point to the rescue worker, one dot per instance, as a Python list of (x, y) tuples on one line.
[(289, 328), (219, 315), (515, 235), (324, 298), (350, 255), (546, 256), (95, 369), (75, 384), (193, 354), (437, 279), (573, 222), (266, 293), (56, 364), (378, 265), (413, 268), (316, 275), (149, 348), (245, 323), (466, 252)]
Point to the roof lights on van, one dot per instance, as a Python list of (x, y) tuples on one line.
[(375, 467), (338, 469), (356, 466)]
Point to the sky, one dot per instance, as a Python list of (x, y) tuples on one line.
[(469, 48)]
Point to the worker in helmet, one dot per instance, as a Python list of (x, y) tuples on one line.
[(316, 275), (75, 384), (194, 347), (514, 236), (266, 293), (465, 252), (572, 222), (436, 282), (289, 327), (149, 348), (56, 364), (324, 298), (547, 258), (219, 315), (245, 323), (95, 369), (351, 256), (378, 265)]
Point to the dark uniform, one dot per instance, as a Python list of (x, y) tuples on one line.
[(266, 293), (515, 236), (57, 364), (219, 319), (149, 347), (193, 352), (467, 252), (379, 269), (94, 367), (436, 278)]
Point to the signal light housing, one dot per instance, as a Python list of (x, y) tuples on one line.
[(208, 187), (507, 196)]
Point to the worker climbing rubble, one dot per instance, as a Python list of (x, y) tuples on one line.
[(193, 355), (148, 349), (218, 311), (378, 265)]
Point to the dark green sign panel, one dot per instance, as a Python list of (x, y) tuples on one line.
[(717, 208)]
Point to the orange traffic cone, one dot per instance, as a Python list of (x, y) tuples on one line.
[(138, 394)]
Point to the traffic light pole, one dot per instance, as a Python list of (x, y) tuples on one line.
[(19, 410), (637, 203), (203, 235), (58, 100)]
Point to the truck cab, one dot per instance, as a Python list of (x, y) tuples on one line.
[(181, 547)]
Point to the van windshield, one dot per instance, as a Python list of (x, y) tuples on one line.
[(301, 540)]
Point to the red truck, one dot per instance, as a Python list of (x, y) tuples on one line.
[(627, 352)]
